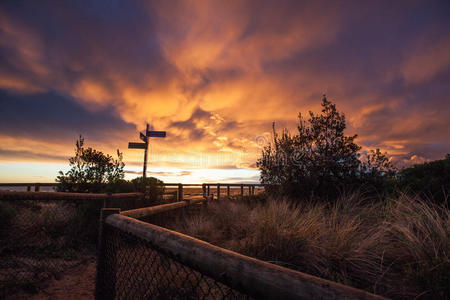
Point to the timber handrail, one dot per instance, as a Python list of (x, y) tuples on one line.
[(8, 195), (28, 184), (148, 211), (249, 275)]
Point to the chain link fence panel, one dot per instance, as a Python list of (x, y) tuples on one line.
[(41, 239), (132, 268)]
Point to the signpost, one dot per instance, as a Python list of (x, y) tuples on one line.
[(137, 145), (145, 137)]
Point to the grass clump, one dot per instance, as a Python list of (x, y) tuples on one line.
[(397, 248)]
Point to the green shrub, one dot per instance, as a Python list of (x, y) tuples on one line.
[(91, 171), (431, 180), (153, 187)]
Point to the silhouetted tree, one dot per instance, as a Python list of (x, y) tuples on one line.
[(91, 170), (318, 161), (376, 170)]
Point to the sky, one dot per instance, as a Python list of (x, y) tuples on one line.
[(215, 75)]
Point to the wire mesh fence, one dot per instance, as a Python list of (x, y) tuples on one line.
[(40, 240), (44, 236), (133, 268)]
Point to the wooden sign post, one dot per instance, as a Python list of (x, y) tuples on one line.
[(145, 137)]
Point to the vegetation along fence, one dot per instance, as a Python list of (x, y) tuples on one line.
[(139, 260), (44, 234)]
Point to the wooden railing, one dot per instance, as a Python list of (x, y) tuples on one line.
[(208, 189), (250, 276), (36, 185)]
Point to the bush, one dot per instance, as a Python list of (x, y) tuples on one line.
[(91, 171), (120, 186), (151, 185), (431, 179), (320, 160)]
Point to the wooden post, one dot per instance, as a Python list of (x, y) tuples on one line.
[(218, 191), (180, 192), (37, 188), (28, 188), (228, 191), (249, 190), (204, 190), (208, 193), (102, 278), (146, 199), (107, 201), (144, 171), (242, 191)]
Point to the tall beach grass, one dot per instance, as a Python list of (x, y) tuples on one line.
[(397, 248)]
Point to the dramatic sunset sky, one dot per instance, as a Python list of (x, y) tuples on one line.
[(215, 75)]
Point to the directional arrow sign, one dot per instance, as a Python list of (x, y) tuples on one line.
[(137, 145), (143, 137), (156, 134)]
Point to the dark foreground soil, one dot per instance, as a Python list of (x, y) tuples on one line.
[(78, 283)]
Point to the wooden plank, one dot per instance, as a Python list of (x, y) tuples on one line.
[(155, 133), (49, 196), (148, 211), (137, 145), (143, 137), (254, 277), (28, 184)]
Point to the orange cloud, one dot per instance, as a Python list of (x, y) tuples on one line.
[(215, 74)]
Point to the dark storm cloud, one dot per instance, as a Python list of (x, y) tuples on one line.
[(49, 116)]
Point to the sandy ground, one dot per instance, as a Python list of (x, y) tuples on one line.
[(78, 283)]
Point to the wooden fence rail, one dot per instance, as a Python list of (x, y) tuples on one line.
[(248, 275), (10, 195), (207, 188)]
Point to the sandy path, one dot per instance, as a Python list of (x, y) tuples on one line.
[(79, 283)]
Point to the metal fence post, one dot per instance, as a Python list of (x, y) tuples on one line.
[(204, 190), (228, 191), (218, 191), (208, 192), (242, 191), (102, 279)]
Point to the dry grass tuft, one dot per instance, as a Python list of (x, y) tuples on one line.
[(398, 248)]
